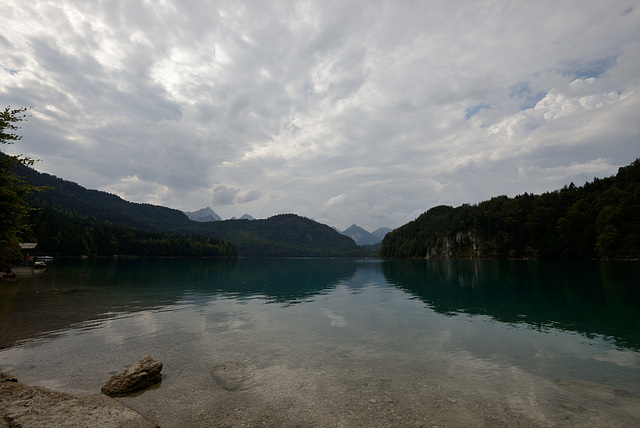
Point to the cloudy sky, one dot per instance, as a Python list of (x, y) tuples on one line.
[(366, 112)]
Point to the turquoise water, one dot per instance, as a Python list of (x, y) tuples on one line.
[(339, 342)]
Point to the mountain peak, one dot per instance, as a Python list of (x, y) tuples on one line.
[(361, 236), (381, 232), (203, 214)]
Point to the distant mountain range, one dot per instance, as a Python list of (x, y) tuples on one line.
[(244, 217), (355, 232), (207, 214), (362, 237)]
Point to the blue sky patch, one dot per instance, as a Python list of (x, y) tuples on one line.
[(472, 111), (588, 69), (10, 71), (528, 98)]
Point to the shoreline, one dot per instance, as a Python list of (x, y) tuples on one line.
[(33, 406)]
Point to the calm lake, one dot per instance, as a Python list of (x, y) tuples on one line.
[(338, 342)]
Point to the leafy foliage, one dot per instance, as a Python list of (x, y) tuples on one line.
[(13, 210), (598, 220)]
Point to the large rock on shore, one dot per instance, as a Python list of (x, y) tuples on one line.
[(136, 377)]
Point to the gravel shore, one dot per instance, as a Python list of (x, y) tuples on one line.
[(31, 406)]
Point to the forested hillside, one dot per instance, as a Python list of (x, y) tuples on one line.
[(68, 219), (61, 233), (70, 197), (600, 220), (284, 235)]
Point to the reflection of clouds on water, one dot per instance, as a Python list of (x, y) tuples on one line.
[(230, 315), (226, 321), (112, 334), (148, 323), (618, 358), (116, 332), (336, 320), (365, 275)]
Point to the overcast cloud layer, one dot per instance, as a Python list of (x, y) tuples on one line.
[(346, 112)]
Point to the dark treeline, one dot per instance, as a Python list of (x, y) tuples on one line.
[(600, 220), (61, 233), (283, 235), (88, 212), (70, 197), (68, 220)]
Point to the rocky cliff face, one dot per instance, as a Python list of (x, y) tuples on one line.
[(460, 246)]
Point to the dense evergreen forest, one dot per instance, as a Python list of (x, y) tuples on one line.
[(68, 219), (60, 233), (600, 220), (66, 196), (284, 235)]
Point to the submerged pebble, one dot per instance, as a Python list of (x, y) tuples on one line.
[(229, 375)]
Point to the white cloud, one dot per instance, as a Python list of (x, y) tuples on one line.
[(344, 111), (335, 200), (133, 188), (223, 195), (554, 174)]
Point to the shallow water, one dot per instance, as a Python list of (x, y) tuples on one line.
[(338, 342)]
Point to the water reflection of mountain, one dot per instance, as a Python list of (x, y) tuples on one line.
[(286, 281), (585, 297), (74, 291)]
